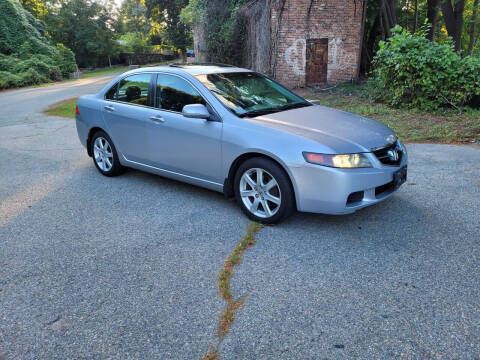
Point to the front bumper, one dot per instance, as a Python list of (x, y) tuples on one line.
[(326, 190)]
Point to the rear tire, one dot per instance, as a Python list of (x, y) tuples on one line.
[(263, 191), (105, 155)]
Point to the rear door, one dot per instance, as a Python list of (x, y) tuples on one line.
[(183, 145), (127, 110)]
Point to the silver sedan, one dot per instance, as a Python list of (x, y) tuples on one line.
[(238, 132)]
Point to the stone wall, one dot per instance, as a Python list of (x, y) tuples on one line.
[(296, 21)]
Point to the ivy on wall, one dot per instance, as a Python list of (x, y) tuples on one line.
[(224, 28)]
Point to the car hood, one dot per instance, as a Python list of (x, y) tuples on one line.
[(338, 130)]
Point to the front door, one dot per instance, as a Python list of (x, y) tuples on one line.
[(187, 146), (316, 62)]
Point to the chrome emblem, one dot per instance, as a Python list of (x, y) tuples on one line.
[(393, 155), (391, 139)]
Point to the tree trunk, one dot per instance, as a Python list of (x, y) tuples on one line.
[(453, 16), (389, 15), (432, 16), (183, 56), (415, 23), (473, 24)]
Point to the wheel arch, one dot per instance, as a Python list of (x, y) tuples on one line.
[(91, 132), (228, 184)]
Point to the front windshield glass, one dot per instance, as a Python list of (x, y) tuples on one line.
[(250, 94)]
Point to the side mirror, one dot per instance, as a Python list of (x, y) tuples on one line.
[(197, 111)]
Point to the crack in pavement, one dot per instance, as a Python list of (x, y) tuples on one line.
[(224, 277)]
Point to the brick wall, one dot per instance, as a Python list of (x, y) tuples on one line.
[(340, 21)]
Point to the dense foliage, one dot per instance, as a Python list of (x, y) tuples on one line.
[(175, 33), (87, 28), (135, 42), (411, 71), (26, 56), (223, 27)]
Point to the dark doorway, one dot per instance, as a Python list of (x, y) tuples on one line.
[(317, 62)]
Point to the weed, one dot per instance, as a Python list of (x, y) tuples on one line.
[(228, 315)]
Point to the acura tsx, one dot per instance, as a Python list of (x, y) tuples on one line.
[(238, 132)]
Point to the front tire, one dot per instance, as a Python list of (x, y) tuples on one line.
[(263, 191), (105, 155)]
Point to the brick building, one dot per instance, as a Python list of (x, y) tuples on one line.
[(301, 42), (317, 46)]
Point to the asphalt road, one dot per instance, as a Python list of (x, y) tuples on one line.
[(126, 268)]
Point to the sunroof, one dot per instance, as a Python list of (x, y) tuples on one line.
[(200, 64)]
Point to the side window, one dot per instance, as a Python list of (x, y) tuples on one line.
[(173, 93), (134, 89), (112, 93)]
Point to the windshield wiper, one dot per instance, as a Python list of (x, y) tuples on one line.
[(294, 106), (260, 112)]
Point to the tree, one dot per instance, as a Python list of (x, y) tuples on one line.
[(134, 16), (388, 9), (38, 8), (433, 9), (453, 17), (473, 24), (415, 23), (167, 13), (86, 27)]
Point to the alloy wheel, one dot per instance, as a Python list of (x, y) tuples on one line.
[(260, 192), (103, 154)]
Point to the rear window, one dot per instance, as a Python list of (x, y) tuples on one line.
[(135, 89)]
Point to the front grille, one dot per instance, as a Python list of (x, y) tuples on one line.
[(385, 157)]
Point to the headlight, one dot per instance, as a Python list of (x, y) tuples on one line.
[(344, 161)]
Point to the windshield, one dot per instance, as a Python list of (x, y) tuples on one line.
[(250, 94)]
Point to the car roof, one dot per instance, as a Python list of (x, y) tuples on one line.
[(194, 69)]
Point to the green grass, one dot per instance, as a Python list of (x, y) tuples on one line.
[(65, 108), (104, 71), (410, 125)]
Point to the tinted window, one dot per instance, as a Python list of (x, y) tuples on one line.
[(173, 93), (112, 93), (134, 89)]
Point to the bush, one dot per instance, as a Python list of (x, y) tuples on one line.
[(26, 56), (31, 77), (45, 69), (65, 60), (8, 80), (411, 71)]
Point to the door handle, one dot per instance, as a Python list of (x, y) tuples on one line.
[(109, 108), (157, 119)]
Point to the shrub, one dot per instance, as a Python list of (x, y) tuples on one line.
[(8, 80), (65, 60), (16, 26), (27, 57), (411, 71), (45, 69)]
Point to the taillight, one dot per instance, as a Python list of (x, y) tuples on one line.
[(77, 112)]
